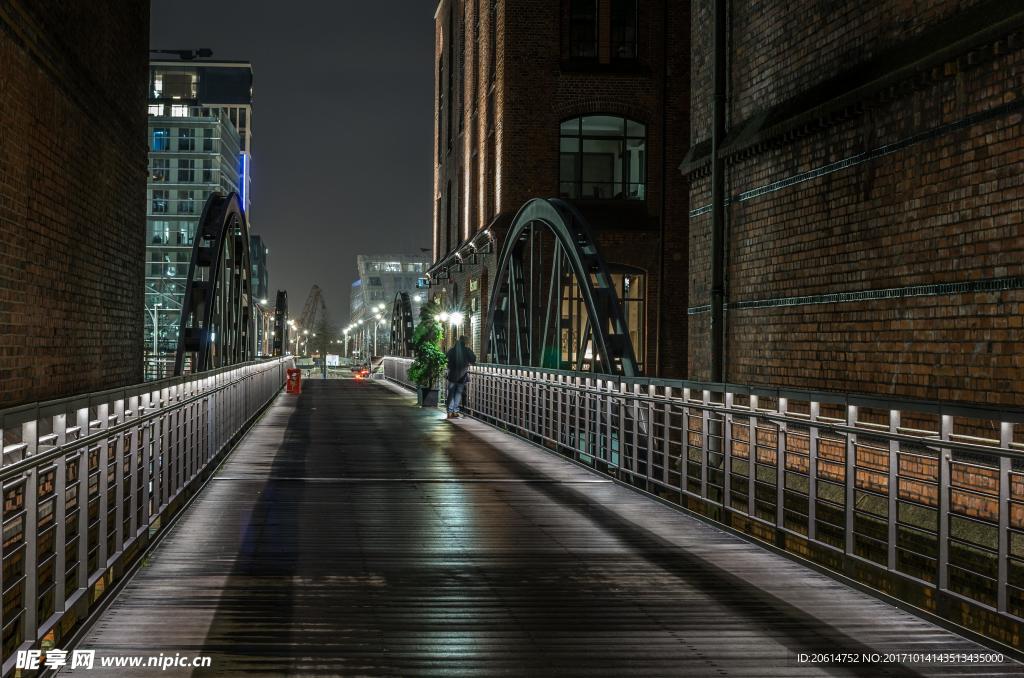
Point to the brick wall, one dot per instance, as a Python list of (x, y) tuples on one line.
[(877, 250), (72, 196), (534, 90)]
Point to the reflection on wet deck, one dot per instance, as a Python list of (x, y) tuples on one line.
[(353, 534)]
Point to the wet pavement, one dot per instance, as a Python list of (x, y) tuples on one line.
[(354, 534)]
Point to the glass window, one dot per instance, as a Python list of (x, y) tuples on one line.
[(602, 157), (186, 139), (179, 111), (207, 171), (583, 29), (186, 202), (160, 200), (623, 18), (161, 169), (186, 171), (156, 109), (208, 140), (374, 281), (160, 139)]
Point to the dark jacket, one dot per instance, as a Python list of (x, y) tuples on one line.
[(460, 357)]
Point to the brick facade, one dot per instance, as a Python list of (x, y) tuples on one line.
[(72, 196), (874, 223), (499, 145)]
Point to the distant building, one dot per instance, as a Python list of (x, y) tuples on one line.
[(193, 153), (200, 142), (226, 85), (381, 278)]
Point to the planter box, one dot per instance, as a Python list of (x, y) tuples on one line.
[(427, 396)]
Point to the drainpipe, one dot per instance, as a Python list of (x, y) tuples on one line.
[(663, 287), (718, 249)]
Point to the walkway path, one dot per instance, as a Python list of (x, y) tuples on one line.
[(353, 534)]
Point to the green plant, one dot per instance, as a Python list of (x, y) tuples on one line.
[(430, 360)]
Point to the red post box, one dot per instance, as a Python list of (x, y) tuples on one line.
[(294, 384)]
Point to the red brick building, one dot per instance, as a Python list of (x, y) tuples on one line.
[(873, 237), (72, 196), (584, 100)]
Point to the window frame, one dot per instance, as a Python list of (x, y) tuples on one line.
[(623, 184)]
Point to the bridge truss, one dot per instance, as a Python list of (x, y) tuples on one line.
[(553, 302), (216, 328)]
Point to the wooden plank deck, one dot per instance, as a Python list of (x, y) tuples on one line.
[(353, 534)]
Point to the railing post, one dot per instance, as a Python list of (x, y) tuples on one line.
[(752, 459), (59, 428), (1005, 438), (666, 442), (104, 462), (82, 422), (146, 430), (780, 468), (30, 624), (894, 487), (118, 480), (649, 458), (812, 471), (851, 478), (727, 456), (945, 461), (705, 446)]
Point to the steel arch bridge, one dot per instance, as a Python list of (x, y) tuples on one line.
[(401, 325), (553, 302), (216, 328)]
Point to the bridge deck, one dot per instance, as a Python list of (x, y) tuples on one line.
[(352, 533)]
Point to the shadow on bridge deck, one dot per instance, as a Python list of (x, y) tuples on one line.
[(352, 533)]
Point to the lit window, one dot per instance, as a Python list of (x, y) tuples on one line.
[(156, 109), (186, 202), (160, 200), (602, 157), (161, 169), (160, 140), (179, 111)]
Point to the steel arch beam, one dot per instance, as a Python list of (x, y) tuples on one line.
[(510, 337), (216, 327), (401, 325)]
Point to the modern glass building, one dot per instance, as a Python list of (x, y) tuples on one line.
[(222, 84), (201, 138), (193, 152), (381, 277)]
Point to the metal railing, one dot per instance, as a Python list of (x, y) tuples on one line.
[(923, 500), (88, 481), (397, 370)]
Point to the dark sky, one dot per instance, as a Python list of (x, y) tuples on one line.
[(343, 119)]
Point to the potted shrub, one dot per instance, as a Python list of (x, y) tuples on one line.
[(430, 360)]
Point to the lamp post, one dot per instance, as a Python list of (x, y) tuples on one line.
[(154, 311)]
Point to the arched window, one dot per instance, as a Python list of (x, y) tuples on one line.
[(602, 157)]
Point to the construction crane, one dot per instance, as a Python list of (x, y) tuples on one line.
[(314, 311)]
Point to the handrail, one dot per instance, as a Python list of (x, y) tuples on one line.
[(115, 468), (923, 499)]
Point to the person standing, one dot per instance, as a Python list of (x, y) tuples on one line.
[(460, 359)]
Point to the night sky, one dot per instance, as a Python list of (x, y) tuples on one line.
[(343, 118)]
